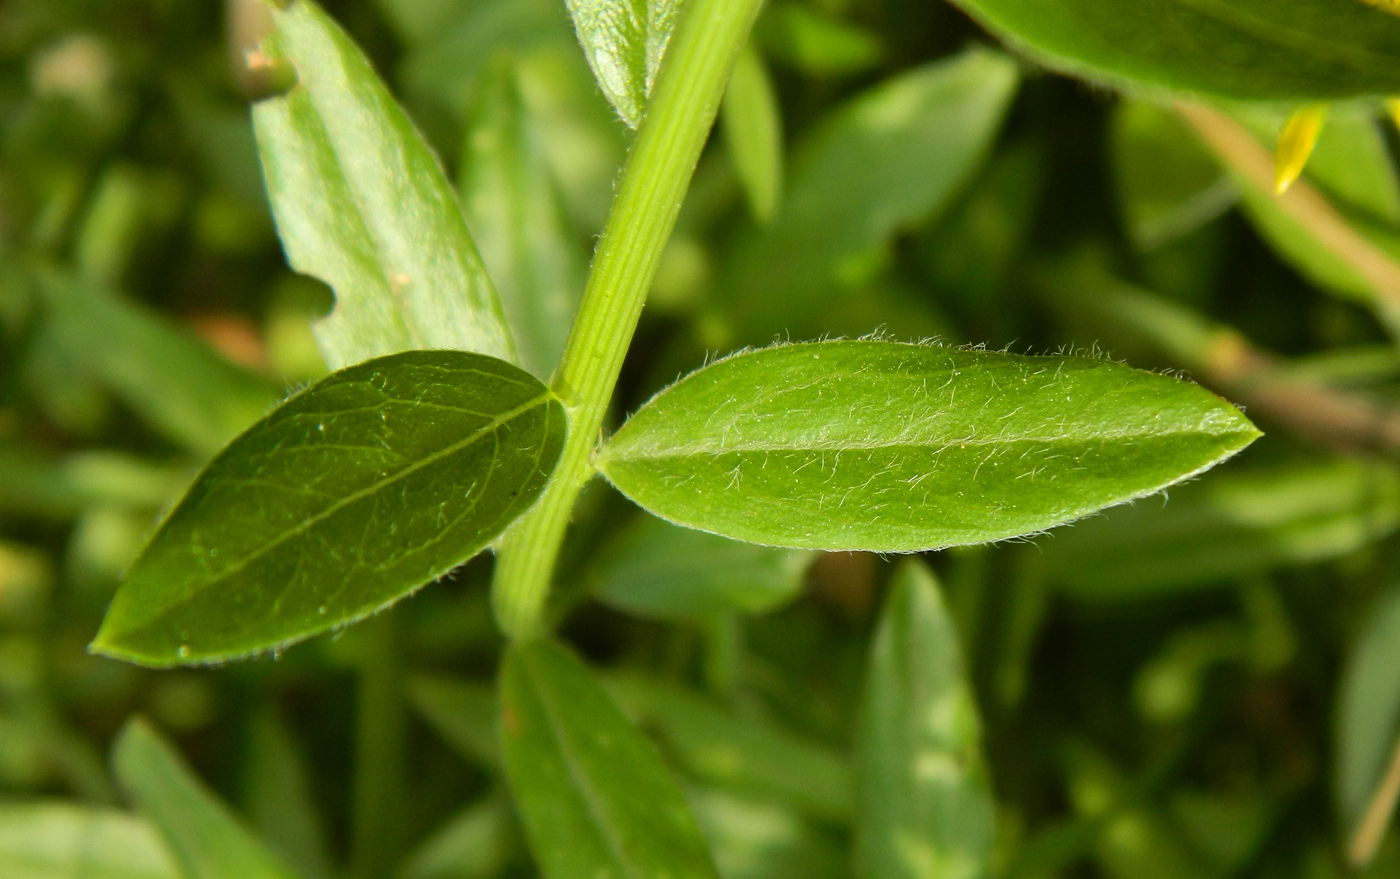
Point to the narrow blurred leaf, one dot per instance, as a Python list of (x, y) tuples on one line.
[(42, 840), (892, 156), (802, 37), (362, 203), (349, 496), (36, 483), (871, 445), (1368, 710), (743, 755), (167, 375), (1248, 49), (279, 800), (753, 133), (655, 569), (924, 802), (476, 843), (755, 839), (594, 797), (624, 41), (1168, 184), (465, 713), (514, 211), (1226, 527), (206, 839)]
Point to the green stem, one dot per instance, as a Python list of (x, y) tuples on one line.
[(378, 805), (658, 171)]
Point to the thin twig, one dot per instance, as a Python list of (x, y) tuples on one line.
[(1379, 811), (1238, 149)]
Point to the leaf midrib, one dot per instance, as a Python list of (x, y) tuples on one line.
[(695, 450), (310, 522)]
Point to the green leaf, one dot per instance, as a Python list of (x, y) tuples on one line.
[(753, 133), (362, 203), (1247, 49), (464, 713), (1230, 526), (172, 379), (478, 842), (890, 447), (924, 803), (624, 41), (1169, 185), (806, 39), (595, 798), (655, 569), (514, 211), (359, 490), (891, 156), (278, 798), (205, 837), (755, 839), (36, 483), (1368, 710), (743, 755), (50, 840)]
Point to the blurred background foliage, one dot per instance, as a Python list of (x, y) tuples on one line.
[(1199, 685)]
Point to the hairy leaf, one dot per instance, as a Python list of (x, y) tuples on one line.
[(924, 803), (206, 839), (658, 570), (352, 494), (514, 211), (362, 203), (890, 447), (594, 796), (624, 41), (51, 840), (1250, 49)]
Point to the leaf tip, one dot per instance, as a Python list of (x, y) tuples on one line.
[(1295, 144)]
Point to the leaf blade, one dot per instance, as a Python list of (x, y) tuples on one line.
[(1244, 49), (924, 801), (344, 499), (594, 796), (624, 41), (206, 839), (53, 840), (362, 203), (709, 454)]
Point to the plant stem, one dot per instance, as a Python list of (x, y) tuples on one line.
[(378, 804), (654, 181)]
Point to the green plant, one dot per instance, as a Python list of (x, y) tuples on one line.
[(473, 363)]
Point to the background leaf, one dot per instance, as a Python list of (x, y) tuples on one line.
[(887, 158), (350, 495), (594, 797), (656, 569), (1368, 710), (52, 840), (863, 445), (753, 133), (1248, 49), (206, 839), (624, 41), (176, 382), (362, 203), (509, 197), (925, 802)]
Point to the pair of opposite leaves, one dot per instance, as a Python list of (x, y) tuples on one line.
[(388, 474)]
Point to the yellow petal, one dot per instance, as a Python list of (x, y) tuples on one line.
[(1393, 105), (1295, 144)]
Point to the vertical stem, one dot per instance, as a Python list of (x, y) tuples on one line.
[(378, 796), (658, 171)]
